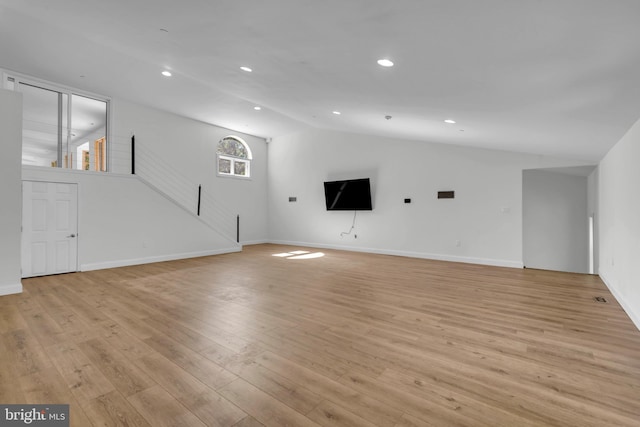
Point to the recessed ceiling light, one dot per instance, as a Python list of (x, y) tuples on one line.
[(450, 121), (337, 113), (166, 73), (247, 69), (257, 108), (385, 62)]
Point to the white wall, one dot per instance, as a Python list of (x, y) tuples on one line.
[(485, 216), (555, 221), (10, 191), (189, 147), (122, 221), (619, 209)]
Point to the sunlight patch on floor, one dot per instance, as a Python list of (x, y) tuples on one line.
[(300, 255)]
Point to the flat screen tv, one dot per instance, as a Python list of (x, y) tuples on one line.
[(349, 195)]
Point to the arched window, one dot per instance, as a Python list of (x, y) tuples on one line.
[(234, 157)]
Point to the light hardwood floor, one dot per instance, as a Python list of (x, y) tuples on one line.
[(346, 339)]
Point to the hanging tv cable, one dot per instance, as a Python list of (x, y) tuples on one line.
[(353, 225)]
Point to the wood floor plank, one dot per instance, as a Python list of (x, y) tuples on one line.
[(161, 409), (434, 404), (208, 372), (336, 348), (113, 410), (121, 339), (329, 414), (49, 388), (187, 336), (43, 327), (217, 335), (305, 355), (248, 421), (368, 408), (210, 407), (264, 408), (45, 387), (294, 395), (24, 353), (118, 370), (81, 307), (409, 421), (10, 392), (85, 380), (251, 339), (223, 356), (10, 319)]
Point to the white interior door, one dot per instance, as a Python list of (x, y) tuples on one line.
[(49, 228)]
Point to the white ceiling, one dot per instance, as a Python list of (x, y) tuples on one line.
[(552, 77)]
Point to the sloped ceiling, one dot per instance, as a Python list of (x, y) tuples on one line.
[(550, 77)]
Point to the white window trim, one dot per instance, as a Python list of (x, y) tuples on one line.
[(34, 81)]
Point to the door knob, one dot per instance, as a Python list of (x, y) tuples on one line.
[(71, 235)]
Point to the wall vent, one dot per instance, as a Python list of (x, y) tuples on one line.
[(445, 194)]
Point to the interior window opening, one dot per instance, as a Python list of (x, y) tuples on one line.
[(62, 129)]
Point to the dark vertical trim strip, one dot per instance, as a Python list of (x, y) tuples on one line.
[(133, 154), (199, 196)]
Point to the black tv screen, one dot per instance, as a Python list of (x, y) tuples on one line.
[(349, 195)]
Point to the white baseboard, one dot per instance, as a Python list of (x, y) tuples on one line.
[(422, 255), (635, 317), (254, 242), (11, 289), (161, 258)]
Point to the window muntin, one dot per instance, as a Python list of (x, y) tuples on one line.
[(234, 157)]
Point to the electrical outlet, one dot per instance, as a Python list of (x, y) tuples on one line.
[(458, 243)]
